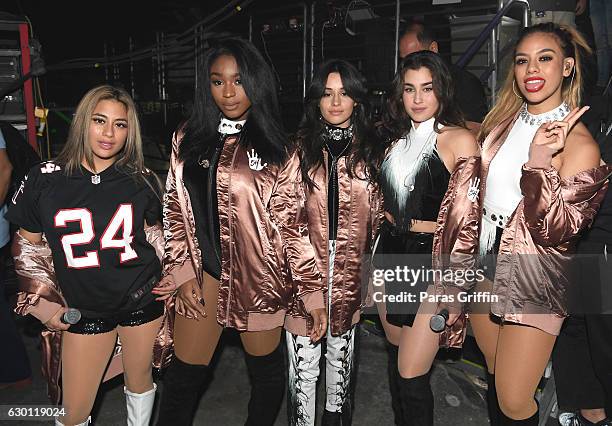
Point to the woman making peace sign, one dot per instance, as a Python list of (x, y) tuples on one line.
[(543, 187)]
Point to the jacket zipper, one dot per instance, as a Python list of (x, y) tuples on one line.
[(212, 174), (231, 236), (333, 176)]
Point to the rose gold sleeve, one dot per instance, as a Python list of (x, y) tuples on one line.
[(38, 293), (554, 215), (293, 225), (176, 260)]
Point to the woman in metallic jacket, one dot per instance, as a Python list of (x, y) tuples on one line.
[(340, 157), (237, 246), (541, 185)]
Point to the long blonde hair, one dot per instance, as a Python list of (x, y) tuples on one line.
[(573, 45), (77, 146)]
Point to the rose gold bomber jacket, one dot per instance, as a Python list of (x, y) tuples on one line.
[(532, 273), (359, 214), (266, 255)]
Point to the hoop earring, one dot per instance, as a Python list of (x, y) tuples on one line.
[(514, 90)]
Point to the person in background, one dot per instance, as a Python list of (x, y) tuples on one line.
[(14, 364), (601, 18), (562, 12), (469, 91)]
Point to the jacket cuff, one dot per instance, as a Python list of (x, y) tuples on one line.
[(313, 300), (182, 274), (44, 310), (540, 157)]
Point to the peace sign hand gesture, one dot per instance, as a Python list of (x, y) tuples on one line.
[(550, 139)]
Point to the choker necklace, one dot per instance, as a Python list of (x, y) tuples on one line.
[(230, 127), (338, 133), (556, 114)]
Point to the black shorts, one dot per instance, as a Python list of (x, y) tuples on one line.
[(394, 242), (149, 313)]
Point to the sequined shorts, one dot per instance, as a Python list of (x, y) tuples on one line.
[(149, 313)]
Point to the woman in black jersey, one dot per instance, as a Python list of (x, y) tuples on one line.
[(90, 206), (236, 244)]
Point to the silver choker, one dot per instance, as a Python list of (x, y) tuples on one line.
[(556, 114)]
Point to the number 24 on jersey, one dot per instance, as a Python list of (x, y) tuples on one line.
[(122, 221)]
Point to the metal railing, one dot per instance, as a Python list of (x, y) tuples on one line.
[(492, 31)]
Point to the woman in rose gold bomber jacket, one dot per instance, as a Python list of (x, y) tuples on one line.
[(340, 156), (541, 186), (236, 244)]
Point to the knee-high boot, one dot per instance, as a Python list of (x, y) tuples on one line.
[(394, 386), (492, 402), (534, 420), (182, 390), (531, 421), (417, 401), (139, 406), (267, 375)]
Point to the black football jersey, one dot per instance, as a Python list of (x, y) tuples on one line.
[(94, 225)]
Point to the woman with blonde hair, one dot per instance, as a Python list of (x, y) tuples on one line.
[(541, 186), (89, 246)]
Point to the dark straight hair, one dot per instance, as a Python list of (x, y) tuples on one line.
[(310, 132), (396, 121), (263, 128)]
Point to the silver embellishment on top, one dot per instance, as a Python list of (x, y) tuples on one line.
[(95, 179), (556, 114), (229, 127), (338, 133)]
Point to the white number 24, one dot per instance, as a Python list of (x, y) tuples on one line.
[(122, 219)]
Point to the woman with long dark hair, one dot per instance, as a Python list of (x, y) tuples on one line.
[(541, 187), (428, 179), (236, 244), (90, 239), (340, 157)]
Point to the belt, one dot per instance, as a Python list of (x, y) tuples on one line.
[(495, 217)]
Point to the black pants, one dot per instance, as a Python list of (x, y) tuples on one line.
[(14, 363), (582, 358)]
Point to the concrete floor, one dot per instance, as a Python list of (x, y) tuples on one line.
[(458, 389)]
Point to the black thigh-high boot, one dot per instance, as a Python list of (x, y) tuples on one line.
[(531, 421), (267, 375), (394, 386), (492, 402), (534, 420), (416, 401), (182, 390)]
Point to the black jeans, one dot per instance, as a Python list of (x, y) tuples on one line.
[(582, 358), (14, 363)]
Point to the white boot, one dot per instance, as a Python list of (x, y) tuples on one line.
[(85, 423), (139, 406)]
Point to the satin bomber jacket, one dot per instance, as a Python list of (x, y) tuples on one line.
[(360, 212), (532, 273), (266, 255), (455, 242), (40, 296)]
